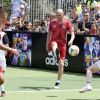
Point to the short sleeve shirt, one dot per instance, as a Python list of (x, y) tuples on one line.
[(58, 30)]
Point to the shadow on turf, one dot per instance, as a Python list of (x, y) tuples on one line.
[(37, 88), (52, 71), (51, 96), (45, 70)]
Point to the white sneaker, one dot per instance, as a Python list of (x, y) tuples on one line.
[(86, 88)]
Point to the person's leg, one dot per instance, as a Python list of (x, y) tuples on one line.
[(61, 61), (1, 83), (2, 87), (2, 90), (60, 68), (60, 72), (92, 69), (89, 72), (53, 46), (62, 51), (54, 49), (3, 69), (1, 76)]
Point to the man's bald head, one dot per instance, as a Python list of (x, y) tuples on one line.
[(60, 11), (60, 14)]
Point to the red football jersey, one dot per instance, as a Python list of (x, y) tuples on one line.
[(58, 30)]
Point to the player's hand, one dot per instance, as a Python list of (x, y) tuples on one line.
[(70, 43), (15, 52)]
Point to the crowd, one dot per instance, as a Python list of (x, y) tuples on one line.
[(85, 19)]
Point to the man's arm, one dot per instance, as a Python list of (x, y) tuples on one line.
[(48, 36), (6, 48), (47, 41), (72, 37)]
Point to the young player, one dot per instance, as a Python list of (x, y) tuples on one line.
[(3, 47), (56, 41), (92, 69)]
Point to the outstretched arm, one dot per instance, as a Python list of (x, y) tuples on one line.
[(6, 48)]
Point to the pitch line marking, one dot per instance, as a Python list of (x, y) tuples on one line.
[(49, 91)]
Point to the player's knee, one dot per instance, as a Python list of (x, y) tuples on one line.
[(54, 45), (89, 70), (1, 77), (61, 63)]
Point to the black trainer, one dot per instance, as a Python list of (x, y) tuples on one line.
[(3, 93), (57, 85)]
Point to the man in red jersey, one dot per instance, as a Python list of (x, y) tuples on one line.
[(56, 41)]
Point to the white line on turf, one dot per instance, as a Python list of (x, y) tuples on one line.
[(68, 90)]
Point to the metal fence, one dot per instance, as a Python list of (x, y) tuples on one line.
[(39, 8), (1, 3)]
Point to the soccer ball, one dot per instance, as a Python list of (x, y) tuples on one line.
[(73, 50)]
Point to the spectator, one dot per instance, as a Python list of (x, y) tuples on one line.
[(22, 11), (53, 16), (73, 15), (15, 4), (97, 11), (89, 3), (43, 27), (36, 25), (7, 27), (78, 7), (92, 30), (47, 20), (87, 23), (26, 27), (80, 17)]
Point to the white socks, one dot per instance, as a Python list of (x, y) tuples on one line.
[(58, 81), (88, 83), (2, 87)]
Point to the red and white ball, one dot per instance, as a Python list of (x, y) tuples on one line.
[(73, 50)]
